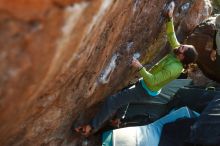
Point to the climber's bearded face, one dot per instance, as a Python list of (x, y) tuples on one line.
[(179, 52)]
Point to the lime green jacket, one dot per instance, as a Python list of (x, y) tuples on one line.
[(168, 68)]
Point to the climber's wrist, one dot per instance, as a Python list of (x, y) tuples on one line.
[(140, 68)]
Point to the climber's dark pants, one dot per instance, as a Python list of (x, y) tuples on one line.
[(135, 93)]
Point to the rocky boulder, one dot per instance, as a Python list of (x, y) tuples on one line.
[(203, 38), (58, 59)]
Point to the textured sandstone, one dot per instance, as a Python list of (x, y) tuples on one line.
[(58, 59)]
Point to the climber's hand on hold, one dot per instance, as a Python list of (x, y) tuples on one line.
[(135, 63), (169, 9)]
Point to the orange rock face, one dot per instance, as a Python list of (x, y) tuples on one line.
[(26, 9), (32, 9), (58, 59)]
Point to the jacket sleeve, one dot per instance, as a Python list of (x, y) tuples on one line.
[(171, 36), (170, 72)]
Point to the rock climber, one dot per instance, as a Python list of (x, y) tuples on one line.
[(166, 70)]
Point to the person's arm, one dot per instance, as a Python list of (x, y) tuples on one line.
[(166, 73), (170, 72), (171, 36)]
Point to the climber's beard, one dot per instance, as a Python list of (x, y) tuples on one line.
[(176, 51)]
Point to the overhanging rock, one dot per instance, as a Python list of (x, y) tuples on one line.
[(60, 58)]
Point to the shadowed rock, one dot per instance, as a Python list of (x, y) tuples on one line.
[(203, 38)]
